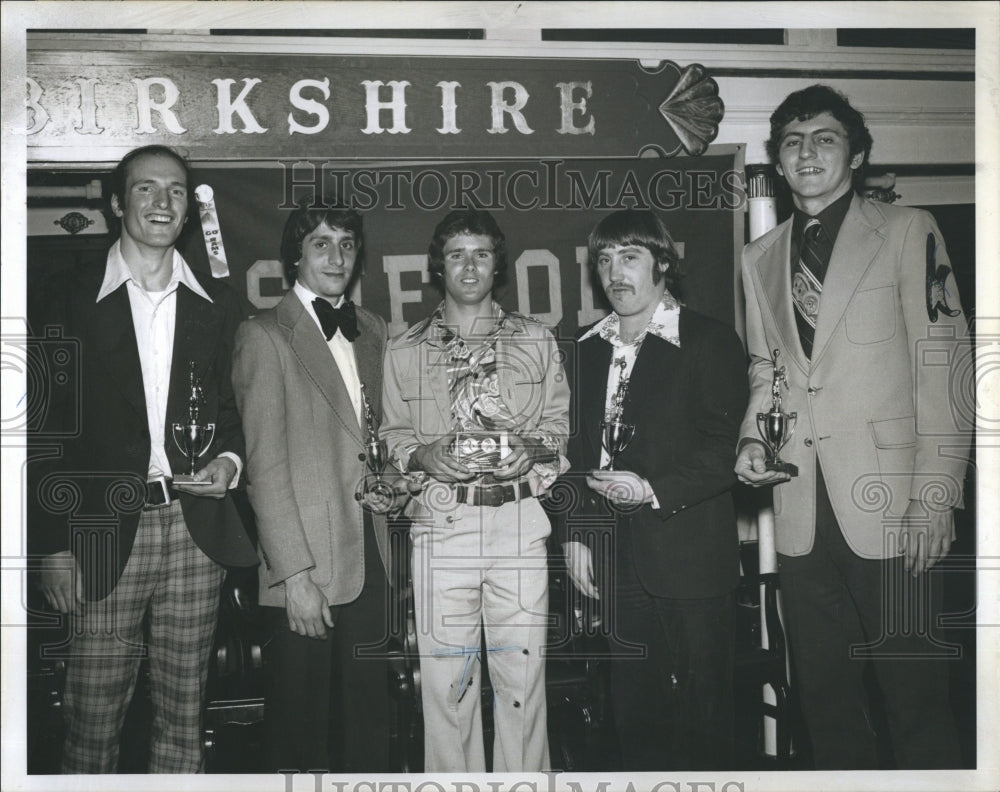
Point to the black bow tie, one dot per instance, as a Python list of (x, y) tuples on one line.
[(331, 318)]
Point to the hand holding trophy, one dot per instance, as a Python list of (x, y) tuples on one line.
[(776, 427), (615, 433), (192, 437)]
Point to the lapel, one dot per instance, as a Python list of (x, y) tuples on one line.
[(368, 358), (196, 331), (113, 336), (314, 356), (858, 242), (774, 279), (515, 367), (434, 356), (652, 385), (595, 355)]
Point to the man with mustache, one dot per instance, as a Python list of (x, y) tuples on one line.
[(144, 322), (677, 377), (475, 407), (859, 300)]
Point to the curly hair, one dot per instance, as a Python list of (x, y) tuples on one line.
[(811, 102)]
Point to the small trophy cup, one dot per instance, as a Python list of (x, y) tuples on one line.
[(776, 427), (615, 433), (376, 453), (193, 437)]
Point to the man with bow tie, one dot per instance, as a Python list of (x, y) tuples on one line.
[(300, 372)]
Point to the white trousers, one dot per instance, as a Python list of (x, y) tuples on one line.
[(482, 565)]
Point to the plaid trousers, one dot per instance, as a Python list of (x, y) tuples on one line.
[(169, 576)]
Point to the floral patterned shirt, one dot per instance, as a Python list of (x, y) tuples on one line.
[(664, 323)]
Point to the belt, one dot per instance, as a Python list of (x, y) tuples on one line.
[(159, 492), (492, 494)]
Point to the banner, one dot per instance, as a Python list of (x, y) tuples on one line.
[(94, 106), (546, 209)]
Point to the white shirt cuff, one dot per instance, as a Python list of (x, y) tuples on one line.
[(239, 467)]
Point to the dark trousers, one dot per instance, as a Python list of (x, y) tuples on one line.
[(310, 679), (673, 706), (844, 612)]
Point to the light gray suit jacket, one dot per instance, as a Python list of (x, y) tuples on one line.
[(883, 404), (305, 449)]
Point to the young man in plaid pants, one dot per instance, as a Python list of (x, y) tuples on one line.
[(154, 343)]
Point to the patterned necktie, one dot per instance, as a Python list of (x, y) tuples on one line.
[(807, 280), (331, 318)]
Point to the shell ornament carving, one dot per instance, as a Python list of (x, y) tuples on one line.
[(693, 109)]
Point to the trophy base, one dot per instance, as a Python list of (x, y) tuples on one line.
[(184, 478), (782, 467)]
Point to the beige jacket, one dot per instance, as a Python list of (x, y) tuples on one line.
[(884, 404), (305, 449)]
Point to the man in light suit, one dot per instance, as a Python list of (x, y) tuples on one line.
[(301, 372), (859, 300), (460, 385), (154, 548)]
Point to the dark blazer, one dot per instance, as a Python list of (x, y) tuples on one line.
[(88, 495), (686, 405)]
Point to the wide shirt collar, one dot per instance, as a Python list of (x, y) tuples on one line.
[(117, 272)]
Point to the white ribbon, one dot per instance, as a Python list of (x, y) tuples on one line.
[(210, 229)]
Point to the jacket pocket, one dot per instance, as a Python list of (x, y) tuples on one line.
[(894, 432), (871, 316), (522, 387), (895, 451), (410, 388)]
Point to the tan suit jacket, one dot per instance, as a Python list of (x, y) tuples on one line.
[(305, 449), (881, 404)]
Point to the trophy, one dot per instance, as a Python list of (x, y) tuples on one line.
[(615, 433), (776, 427), (377, 455), (193, 437)]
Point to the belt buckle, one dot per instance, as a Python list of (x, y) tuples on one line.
[(162, 481), (492, 495)]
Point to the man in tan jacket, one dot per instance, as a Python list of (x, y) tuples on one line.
[(459, 386), (859, 301), (298, 373)]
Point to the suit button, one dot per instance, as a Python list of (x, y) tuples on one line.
[(808, 442), (517, 704), (813, 391), (361, 457)]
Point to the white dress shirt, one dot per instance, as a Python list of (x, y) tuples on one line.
[(341, 349), (154, 317)]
